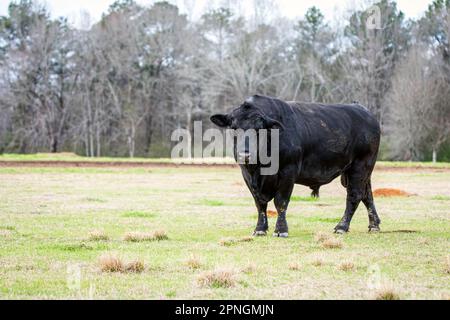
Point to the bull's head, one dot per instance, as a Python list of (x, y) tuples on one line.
[(248, 120)]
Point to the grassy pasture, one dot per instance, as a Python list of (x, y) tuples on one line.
[(60, 226)]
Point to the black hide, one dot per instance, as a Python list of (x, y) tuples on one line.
[(318, 143)]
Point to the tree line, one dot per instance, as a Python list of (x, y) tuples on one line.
[(119, 87)]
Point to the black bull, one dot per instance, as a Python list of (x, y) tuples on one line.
[(317, 144)]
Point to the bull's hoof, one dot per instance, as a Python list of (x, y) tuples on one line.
[(281, 234), (341, 228), (374, 229), (340, 231), (260, 233)]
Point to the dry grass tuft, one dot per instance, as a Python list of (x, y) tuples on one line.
[(145, 236), (386, 295), (318, 262), (424, 241), (347, 266), (160, 235), (328, 241), (6, 233), (250, 268), (386, 292), (332, 243), (246, 239), (445, 296), (321, 236), (193, 263), (136, 266), (220, 278), (138, 237), (294, 266), (447, 265), (111, 263), (227, 242), (98, 235)]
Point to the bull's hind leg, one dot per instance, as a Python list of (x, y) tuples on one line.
[(262, 226), (315, 192), (374, 220), (354, 197), (356, 179)]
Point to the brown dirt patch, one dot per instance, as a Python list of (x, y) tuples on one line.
[(272, 214), (388, 193)]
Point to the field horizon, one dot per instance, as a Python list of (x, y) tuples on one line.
[(69, 157)]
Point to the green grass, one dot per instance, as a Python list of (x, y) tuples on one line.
[(47, 214), (138, 214), (212, 203), (304, 199), (9, 228), (441, 198), (323, 220)]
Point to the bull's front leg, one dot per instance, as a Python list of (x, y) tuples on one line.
[(282, 199), (262, 226)]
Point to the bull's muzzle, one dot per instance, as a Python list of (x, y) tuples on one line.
[(244, 157)]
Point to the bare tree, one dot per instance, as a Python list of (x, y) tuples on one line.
[(419, 113), (408, 102), (120, 86)]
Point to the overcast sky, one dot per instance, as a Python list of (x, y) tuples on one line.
[(289, 8)]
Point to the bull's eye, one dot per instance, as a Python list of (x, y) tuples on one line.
[(259, 124)]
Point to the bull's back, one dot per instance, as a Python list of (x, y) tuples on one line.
[(336, 126), (332, 137)]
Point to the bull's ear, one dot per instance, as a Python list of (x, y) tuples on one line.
[(221, 120), (273, 124)]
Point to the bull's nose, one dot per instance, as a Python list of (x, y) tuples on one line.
[(244, 156)]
